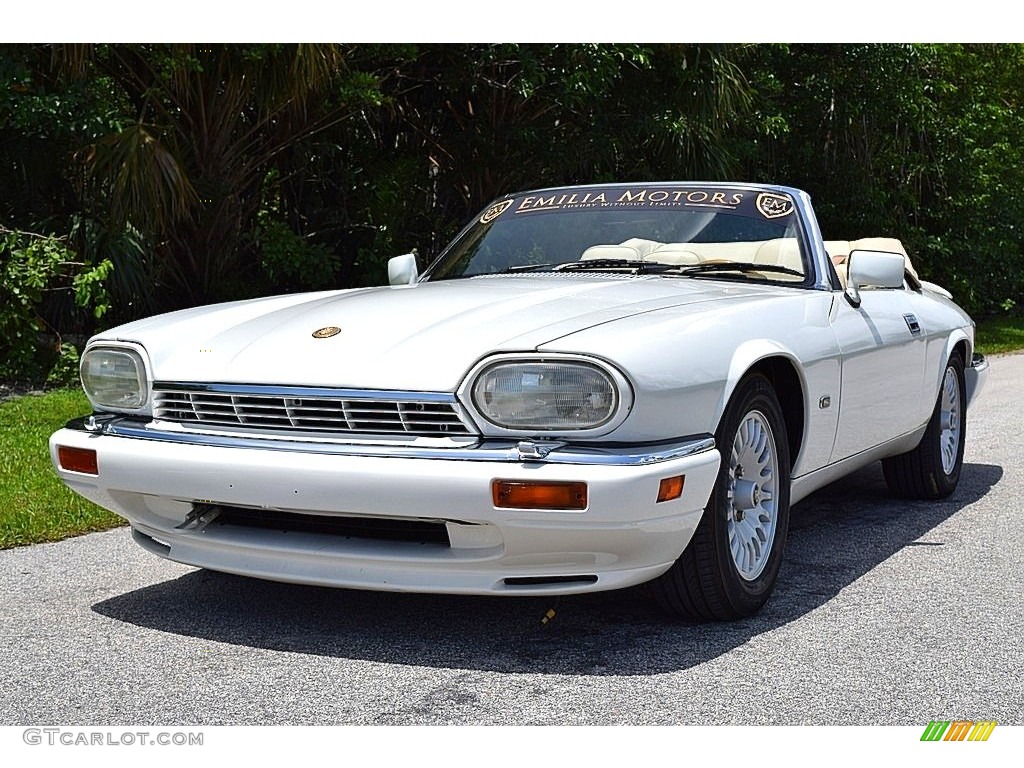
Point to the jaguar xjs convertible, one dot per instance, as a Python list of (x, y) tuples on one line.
[(591, 388)]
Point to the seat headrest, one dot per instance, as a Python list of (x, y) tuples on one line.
[(673, 253), (781, 252), (610, 252), (642, 246)]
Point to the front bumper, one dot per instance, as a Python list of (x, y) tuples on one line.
[(156, 478), (975, 377)]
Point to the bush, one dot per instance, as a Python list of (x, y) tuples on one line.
[(290, 261), (32, 269)]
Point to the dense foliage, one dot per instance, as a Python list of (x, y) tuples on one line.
[(172, 175), (33, 268)]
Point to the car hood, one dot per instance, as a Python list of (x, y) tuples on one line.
[(423, 337)]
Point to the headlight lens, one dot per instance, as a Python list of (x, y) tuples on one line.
[(545, 395), (114, 378)]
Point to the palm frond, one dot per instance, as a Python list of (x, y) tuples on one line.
[(145, 178)]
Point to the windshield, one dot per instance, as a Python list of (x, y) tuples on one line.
[(689, 230)]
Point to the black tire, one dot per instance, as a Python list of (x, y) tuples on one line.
[(921, 473), (705, 583)]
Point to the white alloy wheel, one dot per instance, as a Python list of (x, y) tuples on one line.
[(753, 473), (949, 440)]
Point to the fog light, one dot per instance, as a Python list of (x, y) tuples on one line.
[(671, 488), (77, 460), (528, 494)]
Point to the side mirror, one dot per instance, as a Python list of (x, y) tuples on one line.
[(880, 269), (402, 270)]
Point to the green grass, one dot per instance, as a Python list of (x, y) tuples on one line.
[(35, 505), (1000, 334)]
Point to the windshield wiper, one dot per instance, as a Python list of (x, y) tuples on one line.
[(653, 267), (605, 264), (712, 267), (530, 267), (595, 265)]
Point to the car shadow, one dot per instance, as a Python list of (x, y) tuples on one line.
[(836, 535)]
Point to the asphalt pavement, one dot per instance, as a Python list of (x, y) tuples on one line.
[(886, 613)]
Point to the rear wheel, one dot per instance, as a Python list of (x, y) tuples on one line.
[(932, 469), (730, 567)]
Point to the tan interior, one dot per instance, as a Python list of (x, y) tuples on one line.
[(781, 251)]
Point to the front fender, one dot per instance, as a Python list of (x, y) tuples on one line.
[(957, 336), (746, 356), (685, 364)]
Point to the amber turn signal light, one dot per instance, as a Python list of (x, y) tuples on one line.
[(671, 488), (528, 494), (77, 460)]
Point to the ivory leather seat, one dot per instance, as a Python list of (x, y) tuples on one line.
[(783, 252)]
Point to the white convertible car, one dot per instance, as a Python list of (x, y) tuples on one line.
[(591, 387)]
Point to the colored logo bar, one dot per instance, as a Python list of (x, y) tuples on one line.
[(958, 730)]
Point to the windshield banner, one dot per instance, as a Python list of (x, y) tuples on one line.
[(763, 205)]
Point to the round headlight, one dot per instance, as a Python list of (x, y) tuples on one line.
[(545, 395), (114, 378)]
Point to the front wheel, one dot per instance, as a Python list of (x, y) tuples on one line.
[(729, 568), (932, 469)]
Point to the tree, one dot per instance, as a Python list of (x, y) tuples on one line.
[(916, 141), (204, 125), (460, 124)]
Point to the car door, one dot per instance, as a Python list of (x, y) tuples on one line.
[(882, 348)]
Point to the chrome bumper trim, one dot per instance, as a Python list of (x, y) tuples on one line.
[(975, 376), (491, 450)]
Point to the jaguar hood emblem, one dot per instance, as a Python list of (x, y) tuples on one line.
[(327, 332)]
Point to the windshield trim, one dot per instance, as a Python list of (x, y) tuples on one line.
[(816, 278)]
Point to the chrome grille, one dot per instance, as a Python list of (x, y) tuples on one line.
[(319, 410)]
